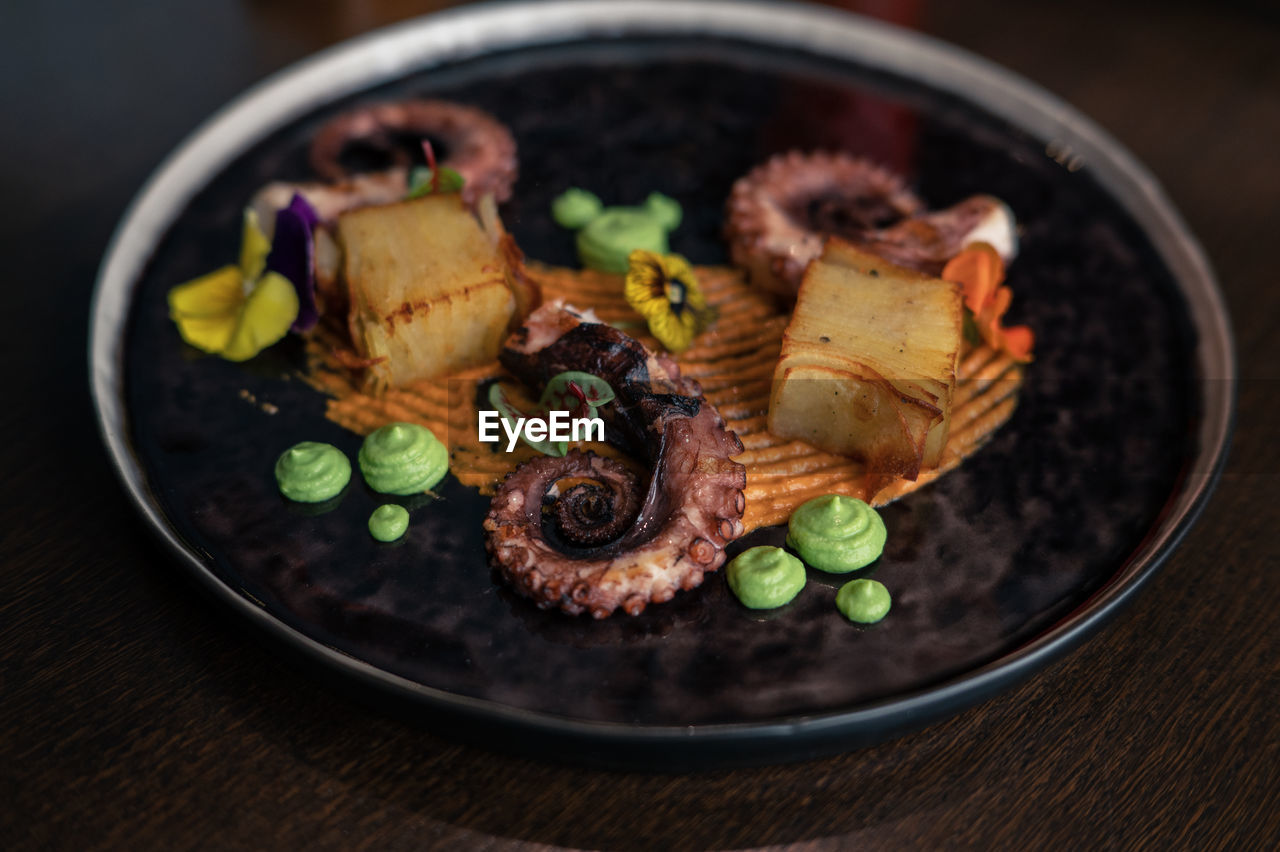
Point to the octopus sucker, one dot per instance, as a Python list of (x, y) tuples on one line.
[(586, 534), (779, 215)]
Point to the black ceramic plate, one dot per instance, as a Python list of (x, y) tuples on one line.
[(994, 569)]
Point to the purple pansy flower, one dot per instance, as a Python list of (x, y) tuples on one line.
[(293, 256)]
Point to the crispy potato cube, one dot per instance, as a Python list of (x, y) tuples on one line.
[(853, 413), (868, 362), (429, 289)]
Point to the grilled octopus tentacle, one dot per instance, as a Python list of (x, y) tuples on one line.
[(477, 146), (781, 212), (584, 533)]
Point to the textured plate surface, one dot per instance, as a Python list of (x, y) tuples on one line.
[(994, 569)]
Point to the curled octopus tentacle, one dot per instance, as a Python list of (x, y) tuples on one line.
[(477, 145), (780, 213), (587, 534)]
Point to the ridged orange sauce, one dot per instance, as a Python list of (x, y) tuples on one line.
[(734, 362)]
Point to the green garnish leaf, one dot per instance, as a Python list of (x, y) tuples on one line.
[(970, 330), (511, 416), (422, 181), (572, 389)]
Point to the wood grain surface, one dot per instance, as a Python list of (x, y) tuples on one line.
[(135, 715)]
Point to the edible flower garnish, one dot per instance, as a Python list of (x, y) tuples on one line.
[(662, 288), (980, 271), (573, 391), (424, 180), (237, 311), (293, 250)]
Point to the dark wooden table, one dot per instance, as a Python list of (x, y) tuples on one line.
[(134, 715)]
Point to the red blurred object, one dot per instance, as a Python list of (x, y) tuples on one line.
[(830, 118)]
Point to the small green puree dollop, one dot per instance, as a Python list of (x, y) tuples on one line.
[(608, 235), (312, 472), (836, 534), (765, 577), (403, 458), (388, 522), (864, 601)]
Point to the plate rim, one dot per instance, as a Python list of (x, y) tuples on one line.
[(469, 32)]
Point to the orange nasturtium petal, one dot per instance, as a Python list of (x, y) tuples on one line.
[(1018, 342), (979, 270), (999, 303)]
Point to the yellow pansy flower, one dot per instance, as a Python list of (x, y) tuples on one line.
[(236, 311), (663, 289)]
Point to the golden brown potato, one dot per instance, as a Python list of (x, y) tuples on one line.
[(429, 288), (868, 363)]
